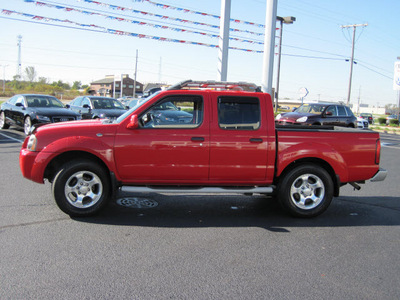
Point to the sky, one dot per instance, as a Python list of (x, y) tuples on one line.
[(85, 40)]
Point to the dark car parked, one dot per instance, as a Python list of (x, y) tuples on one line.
[(26, 110), (332, 114), (93, 107), (367, 117), (169, 113)]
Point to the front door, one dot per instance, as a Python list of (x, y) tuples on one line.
[(170, 146)]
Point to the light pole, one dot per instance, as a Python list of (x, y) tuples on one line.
[(284, 20), (4, 77)]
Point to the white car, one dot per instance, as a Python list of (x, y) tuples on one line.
[(362, 123)]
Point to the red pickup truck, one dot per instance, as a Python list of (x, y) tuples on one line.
[(199, 138)]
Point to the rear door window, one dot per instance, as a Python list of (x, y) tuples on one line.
[(341, 111), (238, 113)]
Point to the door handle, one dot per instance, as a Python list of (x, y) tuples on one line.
[(197, 139), (256, 140)]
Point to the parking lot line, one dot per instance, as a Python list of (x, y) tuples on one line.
[(11, 138)]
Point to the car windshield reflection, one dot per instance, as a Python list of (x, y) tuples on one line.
[(311, 109)]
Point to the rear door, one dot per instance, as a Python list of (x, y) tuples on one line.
[(9, 107), (344, 119), (239, 141)]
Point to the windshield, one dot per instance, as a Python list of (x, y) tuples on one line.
[(130, 111), (43, 101), (106, 103), (311, 109)]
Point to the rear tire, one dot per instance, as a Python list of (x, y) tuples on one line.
[(306, 191), (3, 124), (81, 188)]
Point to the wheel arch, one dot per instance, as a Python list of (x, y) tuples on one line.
[(56, 163), (314, 161)]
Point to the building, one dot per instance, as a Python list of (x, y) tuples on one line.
[(110, 86)]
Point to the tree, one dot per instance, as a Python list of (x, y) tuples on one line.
[(76, 85), (61, 84), (30, 73), (43, 80)]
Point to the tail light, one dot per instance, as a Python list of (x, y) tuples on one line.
[(378, 151)]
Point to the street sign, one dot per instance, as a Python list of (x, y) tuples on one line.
[(303, 92)]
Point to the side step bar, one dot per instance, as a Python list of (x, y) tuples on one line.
[(201, 190)]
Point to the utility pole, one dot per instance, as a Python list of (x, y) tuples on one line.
[(19, 71), (159, 70), (134, 84), (114, 86), (223, 45), (352, 55), (4, 77), (122, 85)]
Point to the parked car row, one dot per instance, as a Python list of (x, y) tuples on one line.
[(25, 110)]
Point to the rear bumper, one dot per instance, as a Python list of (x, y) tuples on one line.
[(380, 175)]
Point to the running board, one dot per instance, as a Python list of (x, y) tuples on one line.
[(202, 190)]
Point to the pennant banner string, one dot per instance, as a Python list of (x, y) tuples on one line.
[(120, 32), (161, 5), (159, 26), (143, 13)]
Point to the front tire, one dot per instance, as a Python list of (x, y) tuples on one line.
[(81, 188), (3, 124), (306, 191), (27, 125)]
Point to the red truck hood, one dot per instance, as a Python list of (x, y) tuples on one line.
[(96, 128), (70, 125)]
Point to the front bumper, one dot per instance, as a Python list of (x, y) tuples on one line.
[(29, 167)]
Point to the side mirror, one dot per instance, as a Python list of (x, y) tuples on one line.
[(67, 106), (86, 106), (133, 123), (328, 113), (19, 104)]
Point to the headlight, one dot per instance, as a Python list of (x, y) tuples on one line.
[(301, 120), (278, 117), (102, 116), (32, 142), (43, 118)]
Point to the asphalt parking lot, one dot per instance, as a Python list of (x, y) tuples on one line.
[(198, 247)]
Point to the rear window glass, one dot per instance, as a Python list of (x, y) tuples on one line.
[(239, 113)]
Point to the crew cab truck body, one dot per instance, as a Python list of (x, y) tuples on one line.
[(230, 144)]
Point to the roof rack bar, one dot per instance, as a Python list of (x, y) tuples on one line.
[(216, 85)]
